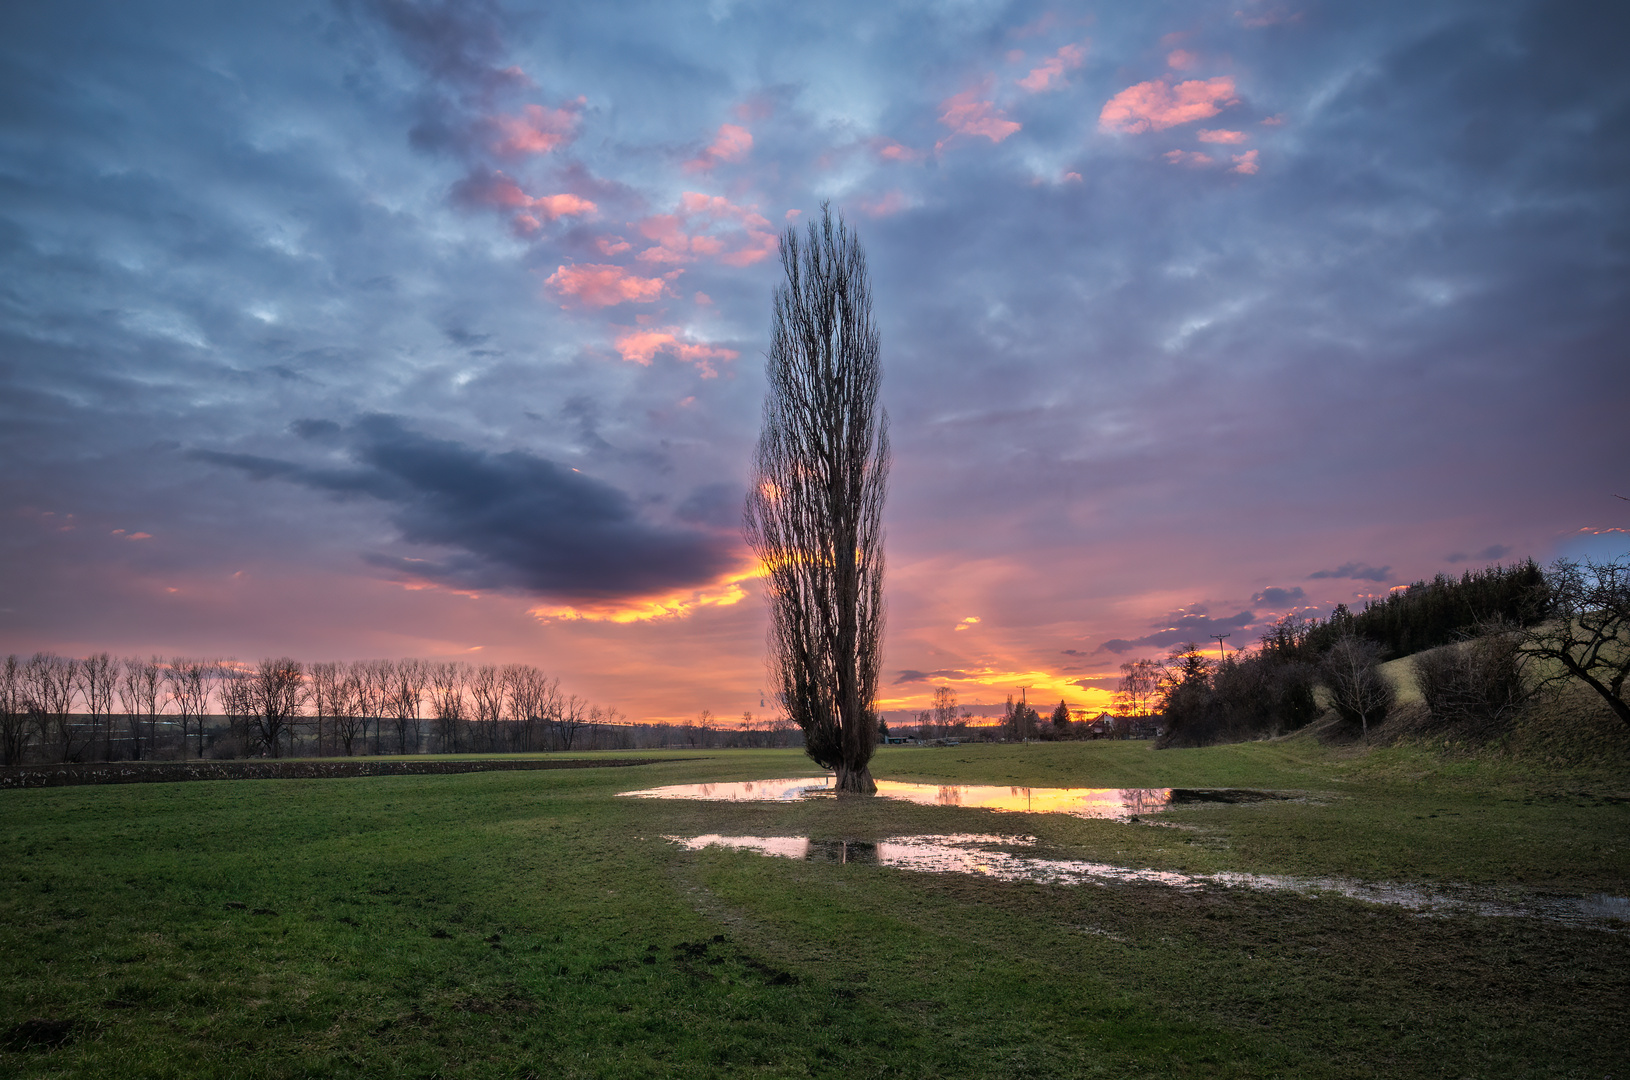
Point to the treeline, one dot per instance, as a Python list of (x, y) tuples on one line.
[(1427, 614), (1475, 642), (103, 708)]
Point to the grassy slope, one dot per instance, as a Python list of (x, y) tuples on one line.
[(619, 955)]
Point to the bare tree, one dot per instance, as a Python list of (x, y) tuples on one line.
[(324, 682), (13, 712), (407, 693), (944, 710), (97, 676), (277, 689), (447, 705), (487, 695), (530, 697), (189, 682), (570, 719), (131, 703), (350, 707), (814, 513), (51, 684), (1359, 690), (1140, 679), (1585, 635)]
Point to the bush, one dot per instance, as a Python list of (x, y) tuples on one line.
[(1478, 683)]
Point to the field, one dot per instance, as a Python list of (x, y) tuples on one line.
[(532, 924)]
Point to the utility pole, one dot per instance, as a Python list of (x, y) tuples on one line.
[(1223, 652)]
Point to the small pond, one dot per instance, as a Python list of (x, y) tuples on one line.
[(1114, 803), (985, 855)]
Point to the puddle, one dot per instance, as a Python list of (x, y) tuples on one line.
[(1114, 803), (982, 854)]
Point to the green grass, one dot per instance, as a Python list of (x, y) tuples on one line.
[(515, 924)]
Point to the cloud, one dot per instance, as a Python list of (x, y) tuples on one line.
[(891, 203), (1192, 626), (1192, 159), (967, 114), (599, 285), (1275, 597), (732, 143), (1155, 106), (639, 345), (1355, 571), (536, 130), (1181, 60), (1245, 164), (497, 190), (705, 226), (911, 675), (1493, 551), (1049, 74), (1220, 135), (513, 520), (889, 150)]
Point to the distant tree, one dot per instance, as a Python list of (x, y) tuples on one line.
[(14, 720), (447, 705), (944, 710), (1579, 629), (406, 699), (98, 675), (882, 730), (487, 695), (814, 510), (1359, 690), (52, 683), (1140, 680), (277, 691), (324, 682), (188, 683), (138, 688), (572, 716), (351, 705), (1061, 718)]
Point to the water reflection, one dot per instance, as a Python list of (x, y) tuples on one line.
[(983, 854), (1115, 803)]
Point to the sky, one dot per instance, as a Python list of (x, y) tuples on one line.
[(382, 328)]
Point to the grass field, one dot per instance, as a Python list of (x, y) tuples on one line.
[(532, 924)]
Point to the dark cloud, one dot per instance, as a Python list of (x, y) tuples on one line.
[(1354, 571), (913, 676), (1488, 554), (1184, 628), (515, 520), (1276, 597)]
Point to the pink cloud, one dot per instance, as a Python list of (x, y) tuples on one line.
[(1273, 121), (1154, 106), (966, 114), (639, 345), (500, 191), (1245, 164), (1191, 158), (891, 203), (1072, 178), (598, 285), (537, 130), (730, 144), (612, 245), (693, 232), (1049, 74), (889, 150), (1255, 20), (1181, 60), (1220, 136)]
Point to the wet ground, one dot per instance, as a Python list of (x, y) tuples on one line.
[(991, 856)]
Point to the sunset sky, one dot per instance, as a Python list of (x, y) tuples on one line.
[(375, 329)]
